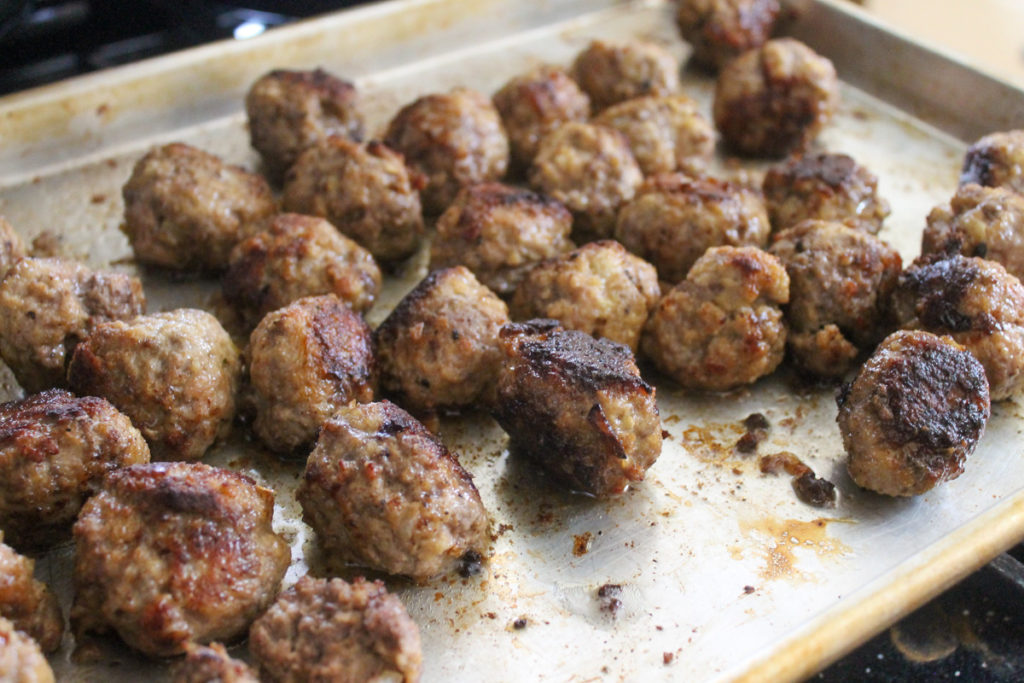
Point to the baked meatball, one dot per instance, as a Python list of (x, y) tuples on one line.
[(439, 347), (996, 160), (674, 219), (722, 326), (174, 374), (383, 492), (290, 111), (185, 209), (913, 414), (168, 554), (591, 170), (12, 247), (21, 661), (365, 191), (49, 305), (452, 139), (212, 664), (28, 603), (719, 30), (775, 99), (332, 630), (615, 72), (306, 360), (499, 232)]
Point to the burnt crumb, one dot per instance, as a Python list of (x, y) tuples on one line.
[(519, 624), (667, 657), (608, 598), (748, 589), (748, 442), (814, 490), (491, 615), (472, 564), (757, 426), (756, 422)]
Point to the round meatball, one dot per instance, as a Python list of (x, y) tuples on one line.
[(212, 664), (499, 232), (996, 160), (332, 630), (452, 139), (12, 247), (28, 603), (306, 360), (719, 30), (383, 492), (674, 219), (592, 171), (827, 187), (290, 111), (775, 99), (21, 661), (174, 374), (48, 306), (172, 553), (185, 208), (915, 411), (365, 191), (615, 72), (439, 347), (722, 327)]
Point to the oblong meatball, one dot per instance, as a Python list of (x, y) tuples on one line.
[(21, 660), (720, 30), (12, 247), (28, 603), (615, 72), (996, 160), (212, 664)]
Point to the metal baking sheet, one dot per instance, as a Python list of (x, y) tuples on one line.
[(725, 575)]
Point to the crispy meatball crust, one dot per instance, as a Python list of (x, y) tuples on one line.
[(332, 630), (185, 209), (615, 72), (172, 553), (28, 603), (212, 664), (175, 374), (21, 660), (499, 232), (719, 30), (913, 414), (12, 247), (996, 160)]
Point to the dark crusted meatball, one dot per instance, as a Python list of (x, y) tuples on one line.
[(499, 232), (212, 664), (12, 247), (332, 630), (172, 553), (452, 139), (49, 305), (306, 360), (185, 208), (28, 603), (290, 111), (996, 160), (674, 219), (174, 374), (775, 99), (383, 492), (721, 327), (21, 661), (615, 72), (719, 30), (913, 414), (365, 191)]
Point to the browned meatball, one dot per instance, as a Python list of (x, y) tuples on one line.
[(913, 414), (719, 30), (499, 232), (306, 360), (185, 208), (365, 191), (615, 72), (174, 374), (775, 99), (290, 111), (12, 247), (674, 219), (591, 170), (172, 553), (28, 603), (212, 664), (439, 347), (996, 160), (332, 630), (722, 327), (48, 306), (21, 661), (452, 139)]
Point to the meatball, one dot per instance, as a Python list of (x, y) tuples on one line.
[(722, 326), (674, 219), (212, 664), (306, 360), (719, 30), (12, 247), (21, 661), (913, 414), (174, 374), (48, 306), (615, 72), (365, 191), (996, 160), (453, 139), (775, 99), (499, 232), (591, 170), (290, 111), (332, 630), (172, 553), (185, 209), (439, 347), (28, 603)]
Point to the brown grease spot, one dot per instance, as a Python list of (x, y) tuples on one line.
[(784, 536), (581, 544)]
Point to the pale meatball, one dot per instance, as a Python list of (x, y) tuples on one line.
[(996, 160), (21, 661), (12, 247), (720, 30), (212, 664), (615, 72), (28, 603), (175, 374)]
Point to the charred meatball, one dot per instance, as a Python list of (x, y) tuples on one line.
[(719, 30), (174, 374), (499, 232), (775, 99), (48, 306), (332, 630), (12, 247), (21, 661), (996, 160), (913, 414), (615, 72), (185, 208), (722, 327), (453, 139), (168, 554), (212, 664), (28, 603)]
